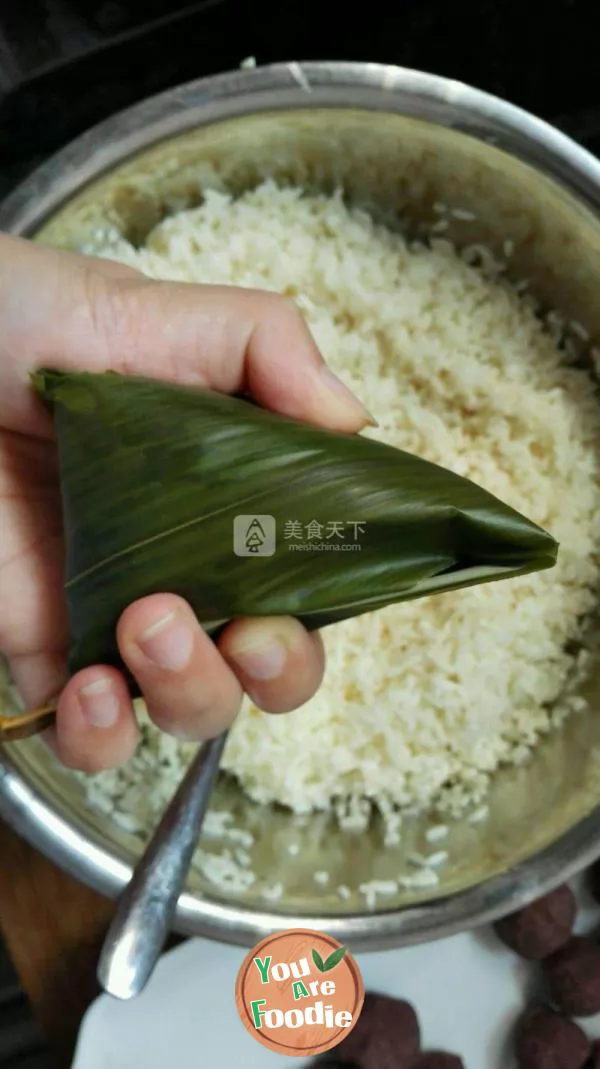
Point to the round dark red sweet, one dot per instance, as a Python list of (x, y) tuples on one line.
[(541, 928), (573, 977), (386, 1035), (546, 1040), (439, 1059)]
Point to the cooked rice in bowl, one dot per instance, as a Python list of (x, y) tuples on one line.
[(422, 701)]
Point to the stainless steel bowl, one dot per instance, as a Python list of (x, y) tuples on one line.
[(398, 142)]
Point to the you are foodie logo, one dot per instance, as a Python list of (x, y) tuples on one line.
[(299, 992)]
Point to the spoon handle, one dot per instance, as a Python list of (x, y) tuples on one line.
[(143, 918)]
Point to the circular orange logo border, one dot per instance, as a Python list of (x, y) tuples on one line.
[(337, 988)]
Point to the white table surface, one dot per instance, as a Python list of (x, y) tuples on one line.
[(468, 991)]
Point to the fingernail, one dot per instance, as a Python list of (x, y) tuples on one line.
[(99, 703), (260, 658), (349, 399), (168, 643)]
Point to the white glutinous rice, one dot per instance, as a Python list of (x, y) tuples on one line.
[(422, 880), (321, 878), (434, 861), (422, 701), (437, 833), (377, 887), (479, 815), (274, 893), (463, 214)]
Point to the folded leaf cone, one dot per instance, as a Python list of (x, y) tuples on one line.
[(246, 513)]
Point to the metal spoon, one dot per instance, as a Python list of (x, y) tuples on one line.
[(142, 922)]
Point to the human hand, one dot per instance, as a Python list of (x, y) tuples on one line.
[(66, 311)]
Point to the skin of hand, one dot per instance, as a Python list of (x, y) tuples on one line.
[(58, 309)]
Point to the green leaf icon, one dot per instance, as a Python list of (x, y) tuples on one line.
[(334, 959), (318, 960)]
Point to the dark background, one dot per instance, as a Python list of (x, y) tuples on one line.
[(66, 64)]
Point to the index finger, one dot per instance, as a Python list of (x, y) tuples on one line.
[(231, 340)]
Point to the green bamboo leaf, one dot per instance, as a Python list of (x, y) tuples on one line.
[(334, 959), (318, 960), (153, 476)]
